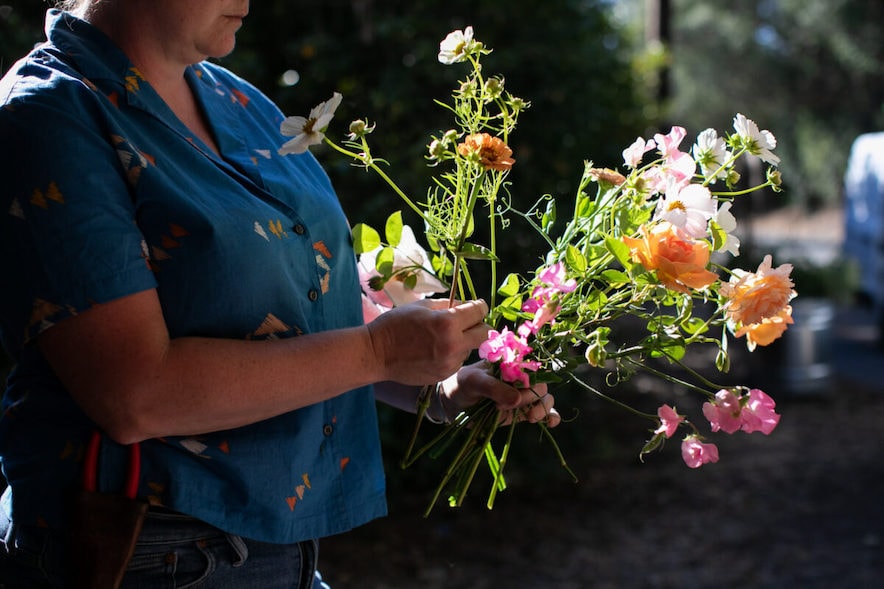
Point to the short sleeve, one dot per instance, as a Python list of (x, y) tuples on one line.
[(67, 224)]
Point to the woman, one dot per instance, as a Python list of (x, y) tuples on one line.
[(172, 282)]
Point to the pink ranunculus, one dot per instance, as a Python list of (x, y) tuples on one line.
[(696, 453), (669, 420), (725, 413), (758, 415)]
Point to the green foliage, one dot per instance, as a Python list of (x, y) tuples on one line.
[(568, 60), (813, 70)]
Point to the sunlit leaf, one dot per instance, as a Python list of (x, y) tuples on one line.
[(365, 238)]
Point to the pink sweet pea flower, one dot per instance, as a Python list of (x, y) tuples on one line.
[(543, 314), (371, 310), (695, 453), (669, 420), (554, 276), (725, 412), (632, 155), (758, 415), (509, 350), (542, 303), (668, 144), (514, 371)]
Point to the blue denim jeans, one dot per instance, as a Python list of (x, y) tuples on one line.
[(173, 552)]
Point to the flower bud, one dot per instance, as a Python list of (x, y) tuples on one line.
[(436, 149), (357, 127), (467, 89), (733, 177), (775, 179), (493, 88), (449, 137), (377, 282), (596, 355)]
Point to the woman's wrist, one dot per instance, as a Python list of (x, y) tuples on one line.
[(437, 409)]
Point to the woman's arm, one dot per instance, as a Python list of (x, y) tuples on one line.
[(119, 363)]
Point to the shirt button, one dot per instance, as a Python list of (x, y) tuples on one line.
[(313, 295), (327, 429), (299, 229)]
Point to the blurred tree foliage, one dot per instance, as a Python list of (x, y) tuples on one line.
[(568, 60), (811, 71)]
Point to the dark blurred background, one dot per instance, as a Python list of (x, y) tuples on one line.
[(598, 73)]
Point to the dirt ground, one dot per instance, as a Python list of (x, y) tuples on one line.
[(801, 508)]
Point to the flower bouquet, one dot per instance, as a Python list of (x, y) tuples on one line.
[(639, 244)]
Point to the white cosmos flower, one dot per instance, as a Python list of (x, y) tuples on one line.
[(310, 130), (409, 259), (728, 223), (689, 208), (455, 46), (758, 143), (710, 151)]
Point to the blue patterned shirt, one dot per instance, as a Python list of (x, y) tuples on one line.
[(105, 193)]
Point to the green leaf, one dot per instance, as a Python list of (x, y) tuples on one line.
[(655, 443), (411, 281), (584, 206), (393, 229), (575, 259), (384, 262), (616, 277), (719, 236), (365, 238), (473, 251), (510, 286), (695, 325), (619, 250), (549, 216)]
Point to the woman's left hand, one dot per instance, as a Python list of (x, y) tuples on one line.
[(474, 382)]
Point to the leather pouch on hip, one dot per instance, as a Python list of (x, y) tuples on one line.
[(103, 527)]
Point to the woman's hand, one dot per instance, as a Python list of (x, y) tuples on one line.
[(474, 382), (424, 342)]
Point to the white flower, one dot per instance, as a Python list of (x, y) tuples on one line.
[(409, 259), (711, 153), (757, 142), (689, 208), (308, 131), (455, 47), (728, 224)]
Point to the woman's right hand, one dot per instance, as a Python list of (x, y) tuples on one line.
[(426, 341)]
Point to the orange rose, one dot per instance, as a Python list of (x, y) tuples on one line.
[(767, 330), (753, 297), (679, 263), (492, 153)]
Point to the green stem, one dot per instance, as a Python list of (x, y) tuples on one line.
[(368, 162)]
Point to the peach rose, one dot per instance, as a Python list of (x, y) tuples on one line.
[(753, 296), (493, 153), (767, 330), (679, 263)]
